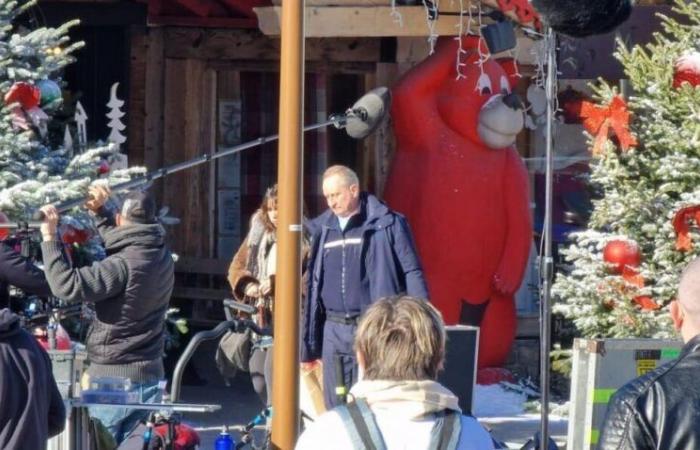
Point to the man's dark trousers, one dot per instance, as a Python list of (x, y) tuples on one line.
[(338, 340)]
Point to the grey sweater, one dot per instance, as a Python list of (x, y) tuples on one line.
[(131, 291)]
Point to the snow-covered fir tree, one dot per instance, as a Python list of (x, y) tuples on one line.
[(33, 170), (623, 271)]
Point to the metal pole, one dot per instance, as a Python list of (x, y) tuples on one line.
[(547, 267), (285, 387)]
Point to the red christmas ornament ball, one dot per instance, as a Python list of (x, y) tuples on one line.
[(621, 253), (26, 94), (103, 168), (687, 70)]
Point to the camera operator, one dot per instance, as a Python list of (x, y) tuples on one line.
[(130, 289)]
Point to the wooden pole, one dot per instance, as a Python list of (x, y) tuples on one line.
[(285, 388)]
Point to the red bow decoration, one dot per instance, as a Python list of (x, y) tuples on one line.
[(523, 9), (598, 121), (682, 227), (633, 277), (646, 303)]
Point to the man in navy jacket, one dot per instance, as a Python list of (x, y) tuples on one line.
[(361, 251), (31, 408)]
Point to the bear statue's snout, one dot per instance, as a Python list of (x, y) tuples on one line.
[(513, 101), (500, 120)]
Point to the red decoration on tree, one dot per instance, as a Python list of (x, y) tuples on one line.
[(71, 235), (103, 168), (599, 120), (646, 303), (624, 255), (4, 232), (682, 227), (632, 276), (687, 70), (27, 95)]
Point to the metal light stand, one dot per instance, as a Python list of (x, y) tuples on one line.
[(547, 264)]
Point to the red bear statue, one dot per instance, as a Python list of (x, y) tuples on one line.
[(464, 188)]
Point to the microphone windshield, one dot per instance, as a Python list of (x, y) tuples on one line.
[(368, 112)]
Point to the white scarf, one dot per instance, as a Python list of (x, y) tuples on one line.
[(412, 399)]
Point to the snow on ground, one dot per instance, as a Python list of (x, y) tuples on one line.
[(495, 401), (503, 412)]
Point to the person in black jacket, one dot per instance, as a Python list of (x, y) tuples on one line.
[(19, 271), (660, 410), (130, 289), (31, 408)]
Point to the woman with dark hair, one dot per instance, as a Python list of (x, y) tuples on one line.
[(251, 276)]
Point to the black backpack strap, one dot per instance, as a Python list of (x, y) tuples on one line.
[(446, 432), (361, 425)]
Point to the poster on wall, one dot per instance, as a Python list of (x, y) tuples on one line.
[(229, 221), (229, 167)]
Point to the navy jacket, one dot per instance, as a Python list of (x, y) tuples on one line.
[(390, 266), (31, 408)]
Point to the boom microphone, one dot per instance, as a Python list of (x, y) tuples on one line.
[(359, 122), (581, 18), (367, 113)]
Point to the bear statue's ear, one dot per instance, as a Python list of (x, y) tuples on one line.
[(510, 66)]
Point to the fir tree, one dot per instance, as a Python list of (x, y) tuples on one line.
[(640, 192), (33, 171)]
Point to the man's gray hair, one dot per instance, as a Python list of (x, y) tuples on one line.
[(345, 173)]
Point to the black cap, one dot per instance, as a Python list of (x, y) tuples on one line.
[(139, 207)]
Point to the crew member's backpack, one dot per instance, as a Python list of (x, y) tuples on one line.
[(364, 432)]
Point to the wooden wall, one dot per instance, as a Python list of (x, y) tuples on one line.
[(173, 108)]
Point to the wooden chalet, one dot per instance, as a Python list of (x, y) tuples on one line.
[(201, 75)]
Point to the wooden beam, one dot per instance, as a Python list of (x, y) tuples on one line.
[(328, 67), (350, 21), (137, 95), (227, 44), (153, 105), (382, 141), (187, 108), (203, 22)]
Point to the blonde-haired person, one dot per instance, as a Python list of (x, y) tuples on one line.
[(397, 404)]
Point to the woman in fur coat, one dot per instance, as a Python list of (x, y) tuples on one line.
[(251, 275)]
